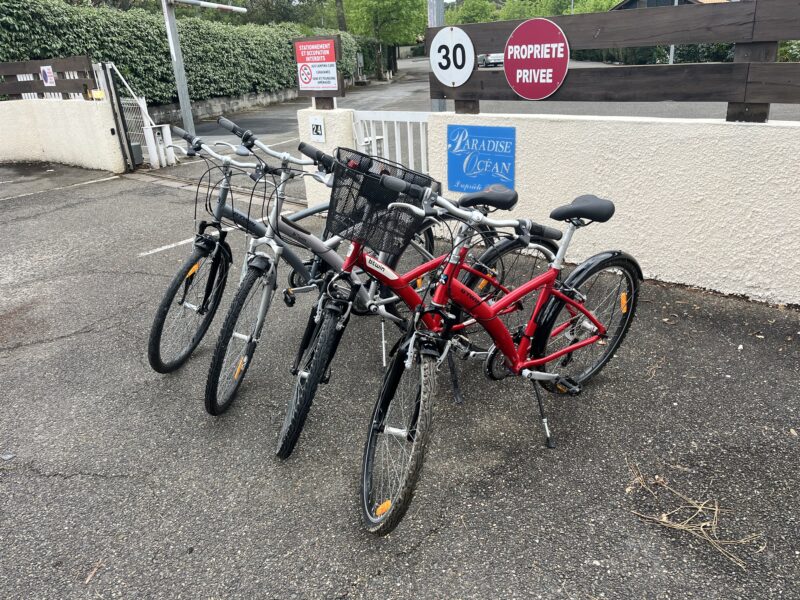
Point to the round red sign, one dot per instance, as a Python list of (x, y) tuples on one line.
[(536, 59)]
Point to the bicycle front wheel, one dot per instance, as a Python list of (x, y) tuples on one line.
[(187, 309), (611, 292), (238, 339), (398, 436), (311, 371)]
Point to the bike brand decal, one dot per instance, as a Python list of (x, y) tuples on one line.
[(381, 268), (479, 156)]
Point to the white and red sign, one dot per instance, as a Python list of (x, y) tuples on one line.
[(536, 59), (316, 65)]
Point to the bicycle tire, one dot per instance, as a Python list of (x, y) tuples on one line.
[(311, 369), (196, 270), (227, 365), (557, 316), (382, 507)]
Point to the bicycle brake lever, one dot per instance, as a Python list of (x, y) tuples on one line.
[(181, 148), (408, 207), (323, 177)]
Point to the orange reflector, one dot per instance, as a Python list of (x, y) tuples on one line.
[(384, 506), (239, 368), (623, 302), (419, 283), (193, 270), (483, 284)]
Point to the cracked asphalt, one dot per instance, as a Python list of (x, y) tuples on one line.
[(114, 482)]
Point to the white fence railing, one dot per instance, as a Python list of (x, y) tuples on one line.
[(397, 135)]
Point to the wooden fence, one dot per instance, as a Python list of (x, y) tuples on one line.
[(748, 85), (73, 75)]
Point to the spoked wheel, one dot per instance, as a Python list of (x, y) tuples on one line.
[(509, 264), (186, 311), (398, 435), (611, 289), (311, 370), (238, 339)]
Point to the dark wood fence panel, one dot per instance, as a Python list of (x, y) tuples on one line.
[(748, 85), (82, 65), (710, 82), (687, 24), (773, 82), (64, 86), (60, 65)]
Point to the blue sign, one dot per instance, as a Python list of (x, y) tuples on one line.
[(480, 156)]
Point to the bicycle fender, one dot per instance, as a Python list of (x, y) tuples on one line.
[(550, 310), (590, 262), (262, 263), (225, 251)]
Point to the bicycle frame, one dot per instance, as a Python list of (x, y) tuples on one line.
[(449, 288)]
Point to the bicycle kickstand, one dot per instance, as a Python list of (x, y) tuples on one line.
[(550, 442), (451, 364)]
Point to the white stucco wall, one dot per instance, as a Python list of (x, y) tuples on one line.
[(338, 125), (73, 132), (700, 202)]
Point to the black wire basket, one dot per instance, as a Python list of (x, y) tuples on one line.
[(359, 204)]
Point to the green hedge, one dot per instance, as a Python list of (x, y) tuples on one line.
[(220, 59)]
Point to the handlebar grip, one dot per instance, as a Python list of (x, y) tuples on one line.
[(231, 126), (184, 134), (326, 160), (403, 187), (548, 233)]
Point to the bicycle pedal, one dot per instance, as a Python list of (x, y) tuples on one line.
[(565, 385), (289, 298)]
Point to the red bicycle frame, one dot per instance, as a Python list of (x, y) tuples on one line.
[(449, 288)]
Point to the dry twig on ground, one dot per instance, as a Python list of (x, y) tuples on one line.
[(699, 519)]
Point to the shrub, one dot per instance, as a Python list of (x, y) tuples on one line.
[(220, 59)]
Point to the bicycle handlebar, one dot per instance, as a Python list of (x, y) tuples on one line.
[(231, 126), (190, 139), (398, 185), (326, 160), (249, 138)]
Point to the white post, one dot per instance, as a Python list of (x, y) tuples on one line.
[(152, 148), (672, 46), (436, 19), (177, 56)]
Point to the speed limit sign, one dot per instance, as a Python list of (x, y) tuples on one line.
[(452, 56)]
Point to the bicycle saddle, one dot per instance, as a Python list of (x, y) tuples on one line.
[(496, 196), (585, 207)]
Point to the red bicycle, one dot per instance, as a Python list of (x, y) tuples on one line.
[(359, 212), (573, 330)]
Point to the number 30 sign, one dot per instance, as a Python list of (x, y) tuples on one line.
[(452, 56)]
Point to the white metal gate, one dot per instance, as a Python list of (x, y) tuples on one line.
[(397, 135)]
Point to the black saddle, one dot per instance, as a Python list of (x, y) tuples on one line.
[(496, 196), (585, 207)]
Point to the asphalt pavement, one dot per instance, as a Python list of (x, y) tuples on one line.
[(114, 482)]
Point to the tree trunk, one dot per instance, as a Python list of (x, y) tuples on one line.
[(340, 15)]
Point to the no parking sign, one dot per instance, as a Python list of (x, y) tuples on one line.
[(316, 65)]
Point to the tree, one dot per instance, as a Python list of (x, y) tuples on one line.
[(471, 11), (394, 22), (517, 9), (340, 18)]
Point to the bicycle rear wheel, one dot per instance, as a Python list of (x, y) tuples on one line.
[(187, 309), (238, 339), (312, 368), (611, 291), (396, 441)]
